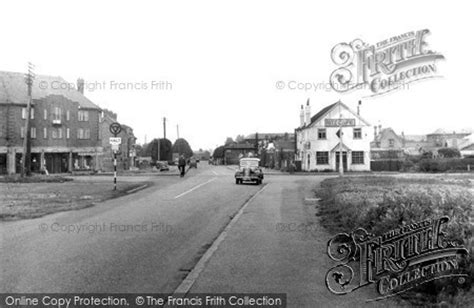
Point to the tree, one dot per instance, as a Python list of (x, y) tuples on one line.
[(181, 146), (228, 141), (240, 139), (218, 152)]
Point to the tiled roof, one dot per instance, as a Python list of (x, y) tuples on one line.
[(240, 146), (318, 116), (321, 113), (13, 89)]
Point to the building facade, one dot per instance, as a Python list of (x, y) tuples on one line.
[(318, 141), (64, 125)]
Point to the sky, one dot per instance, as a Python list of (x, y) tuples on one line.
[(211, 67)]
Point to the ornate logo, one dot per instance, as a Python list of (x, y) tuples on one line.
[(388, 65), (396, 261)]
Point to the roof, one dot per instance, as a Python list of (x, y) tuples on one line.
[(442, 131), (240, 146), (13, 89), (318, 116), (386, 132), (270, 135)]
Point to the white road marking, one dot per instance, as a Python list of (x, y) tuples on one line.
[(194, 188), (188, 282), (215, 172)]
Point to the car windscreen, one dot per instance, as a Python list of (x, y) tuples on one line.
[(248, 163)]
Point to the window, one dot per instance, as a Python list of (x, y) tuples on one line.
[(60, 133), (68, 115), (57, 113), (357, 158), (22, 132), (33, 132), (67, 133), (45, 114), (83, 133), (322, 133), (357, 133), (391, 143), (45, 133), (322, 158), (83, 115), (54, 134), (23, 113)]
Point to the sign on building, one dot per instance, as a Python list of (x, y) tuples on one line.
[(339, 122)]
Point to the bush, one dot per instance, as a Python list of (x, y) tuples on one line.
[(449, 152), (445, 164)]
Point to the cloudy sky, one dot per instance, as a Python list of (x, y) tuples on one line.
[(211, 67)]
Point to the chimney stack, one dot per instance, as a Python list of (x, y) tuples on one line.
[(80, 85), (375, 131), (307, 113), (358, 107), (301, 116)]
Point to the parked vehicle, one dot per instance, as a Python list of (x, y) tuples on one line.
[(249, 171), (162, 166), (192, 163)]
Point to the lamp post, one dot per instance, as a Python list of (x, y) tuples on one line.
[(26, 159)]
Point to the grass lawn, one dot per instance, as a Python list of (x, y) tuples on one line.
[(379, 203), (31, 200)]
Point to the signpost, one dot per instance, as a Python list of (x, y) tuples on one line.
[(115, 128)]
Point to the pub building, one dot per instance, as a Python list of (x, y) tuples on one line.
[(319, 141)]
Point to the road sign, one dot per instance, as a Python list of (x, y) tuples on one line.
[(115, 128), (115, 140), (115, 147)]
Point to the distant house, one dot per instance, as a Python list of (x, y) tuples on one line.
[(234, 151), (466, 146), (319, 145), (447, 139)]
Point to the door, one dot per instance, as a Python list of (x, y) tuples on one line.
[(344, 161)]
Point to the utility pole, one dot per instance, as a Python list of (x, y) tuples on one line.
[(177, 131), (164, 127), (26, 161)]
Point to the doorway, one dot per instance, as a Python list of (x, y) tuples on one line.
[(344, 161)]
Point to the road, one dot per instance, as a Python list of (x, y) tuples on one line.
[(151, 240)]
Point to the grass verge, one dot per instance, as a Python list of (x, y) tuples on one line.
[(383, 203)]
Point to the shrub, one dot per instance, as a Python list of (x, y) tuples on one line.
[(449, 152)]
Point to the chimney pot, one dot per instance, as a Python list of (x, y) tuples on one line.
[(80, 85)]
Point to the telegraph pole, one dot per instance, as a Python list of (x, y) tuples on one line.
[(26, 161), (164, 127)]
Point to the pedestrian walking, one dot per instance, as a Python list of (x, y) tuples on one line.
[(182, 165)]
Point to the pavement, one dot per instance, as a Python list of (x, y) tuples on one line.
[(200, 233)]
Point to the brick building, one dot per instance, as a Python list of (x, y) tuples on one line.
[(65, 125)]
